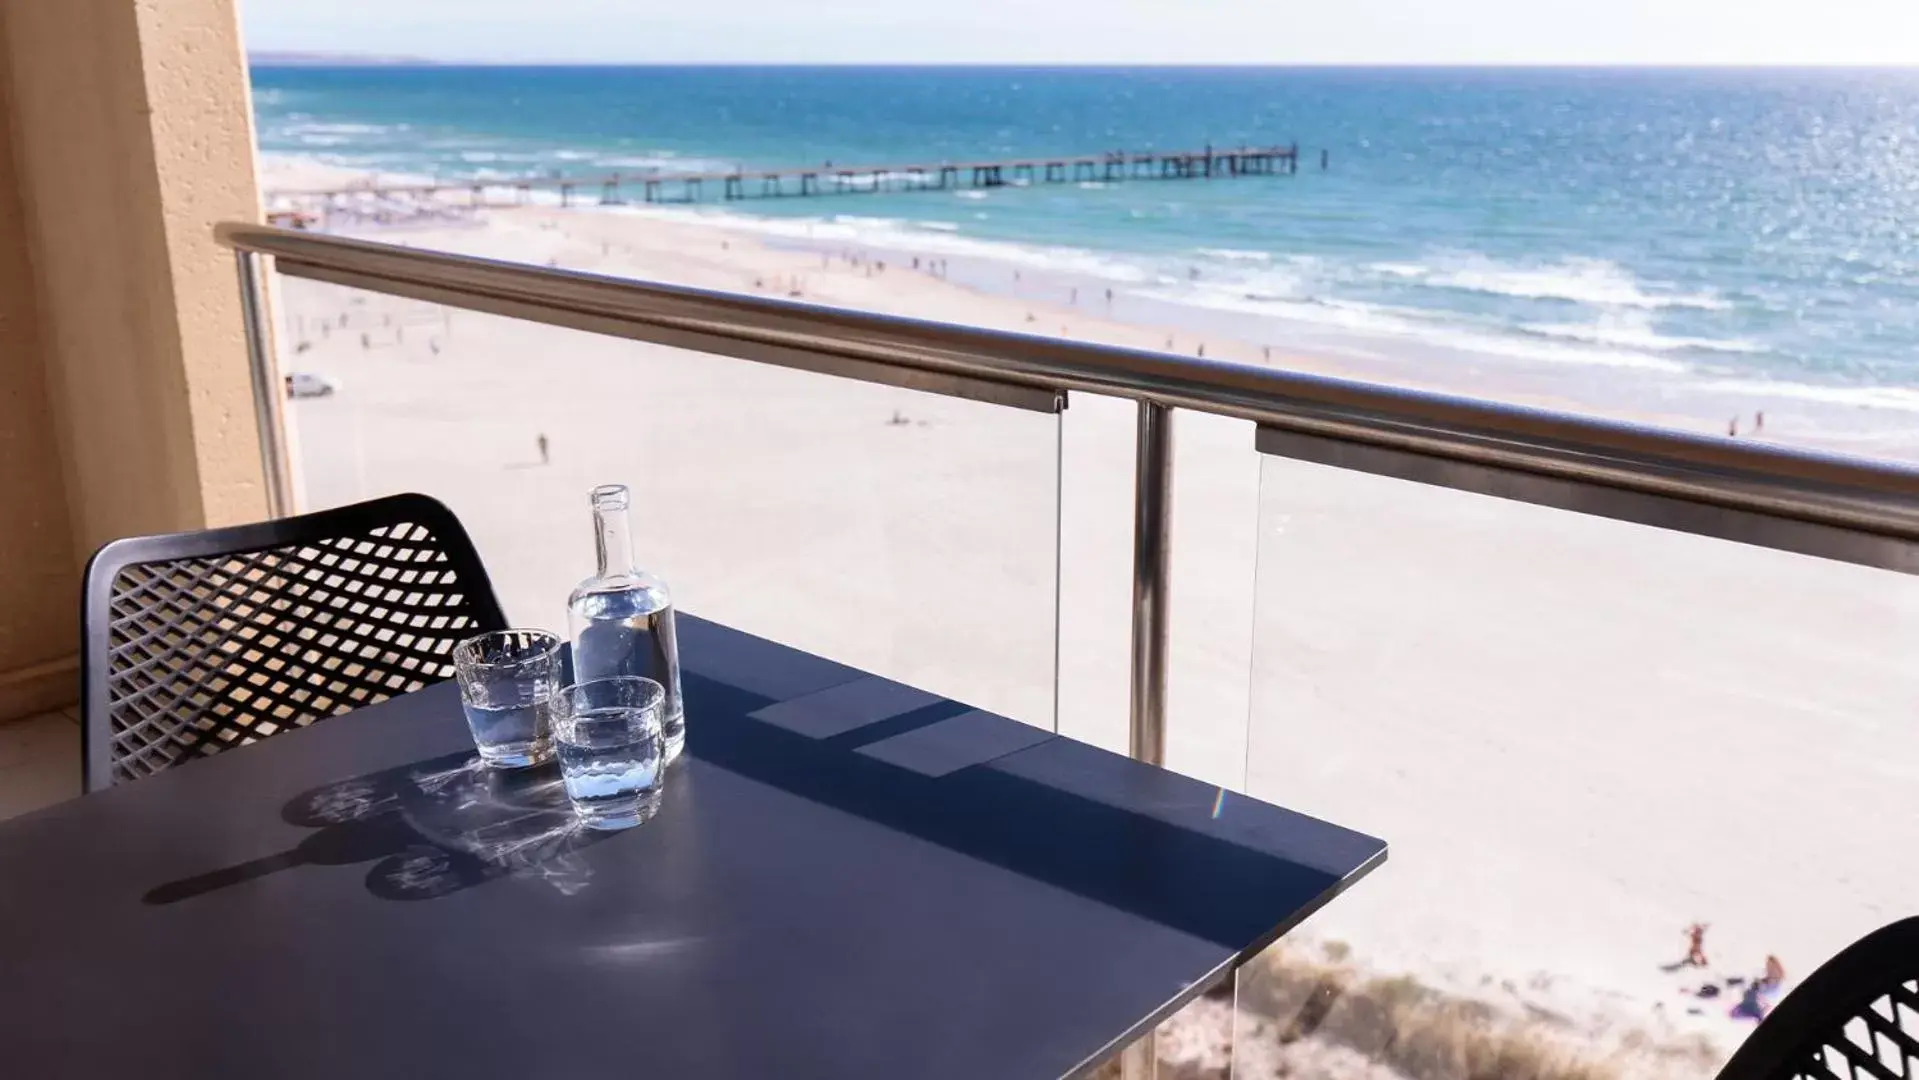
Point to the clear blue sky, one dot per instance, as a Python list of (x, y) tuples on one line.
[(1093, 31)]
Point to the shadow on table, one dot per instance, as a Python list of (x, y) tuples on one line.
[(1183, 854), (431, 828)]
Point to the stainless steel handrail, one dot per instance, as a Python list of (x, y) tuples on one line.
[(1875, 499)]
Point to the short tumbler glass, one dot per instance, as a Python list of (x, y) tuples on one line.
[(508, 681), (612, 753)]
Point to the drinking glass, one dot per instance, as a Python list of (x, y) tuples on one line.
[(508, 680), (612, 753)]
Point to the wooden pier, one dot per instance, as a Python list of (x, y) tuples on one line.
[(830, 179)]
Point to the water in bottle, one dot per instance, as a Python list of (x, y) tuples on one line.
[(621, 618)]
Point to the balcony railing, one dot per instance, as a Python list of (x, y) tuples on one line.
[(1571, 680)]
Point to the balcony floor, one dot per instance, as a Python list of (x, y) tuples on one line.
[(39, 761)]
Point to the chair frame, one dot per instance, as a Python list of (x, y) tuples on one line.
[(104, 569)]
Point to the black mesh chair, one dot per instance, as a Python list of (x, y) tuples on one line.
[(199, 642), (1856, 1018)]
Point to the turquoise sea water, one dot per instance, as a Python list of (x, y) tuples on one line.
[(1692, 239)]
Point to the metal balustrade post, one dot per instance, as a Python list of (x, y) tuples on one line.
[(1140, 1061), (268, 393), (1152, 556)]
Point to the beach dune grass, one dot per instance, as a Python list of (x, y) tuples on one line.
[(1307, 1012), (1426, 1033)]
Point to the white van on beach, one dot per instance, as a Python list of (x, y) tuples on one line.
[(305, 384)]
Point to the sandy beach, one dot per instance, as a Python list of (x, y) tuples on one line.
[(1579, 736)]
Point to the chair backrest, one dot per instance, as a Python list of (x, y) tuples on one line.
[(199, 642), (1856, 1018)]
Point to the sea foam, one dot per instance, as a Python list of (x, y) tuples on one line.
[(1593, 282)]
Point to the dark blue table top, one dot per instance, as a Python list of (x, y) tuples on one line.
[(849, 878)]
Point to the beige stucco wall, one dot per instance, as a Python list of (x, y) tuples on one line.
[(39, 602), (129, 126)]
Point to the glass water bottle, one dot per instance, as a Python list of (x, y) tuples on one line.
[(621, 618)]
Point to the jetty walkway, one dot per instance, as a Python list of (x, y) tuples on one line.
[(654, 186)]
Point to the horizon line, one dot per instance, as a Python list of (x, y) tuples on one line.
[(302, 58)]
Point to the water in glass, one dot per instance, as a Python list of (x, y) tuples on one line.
[(612, 754), (507, 683), (621, 618), (509, 735)]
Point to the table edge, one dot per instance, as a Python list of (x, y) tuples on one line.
[(1227, 967)]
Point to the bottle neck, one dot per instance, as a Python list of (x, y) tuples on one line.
[(613, 541)]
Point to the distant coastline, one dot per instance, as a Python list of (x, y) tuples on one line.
[(271, 59)]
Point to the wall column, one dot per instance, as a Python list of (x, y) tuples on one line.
[(39, 585), (129, 133)]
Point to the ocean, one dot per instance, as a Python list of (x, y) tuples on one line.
[(1692, 243)]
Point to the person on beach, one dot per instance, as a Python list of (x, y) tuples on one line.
[(1758, 422), (1752, 1004), (540, 441), (1696, 945), (1761, 994)]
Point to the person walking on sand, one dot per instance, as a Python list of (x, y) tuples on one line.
[(540, 441), (1696, 945)]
